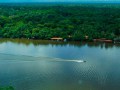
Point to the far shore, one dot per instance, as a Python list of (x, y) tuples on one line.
[(59, 41)]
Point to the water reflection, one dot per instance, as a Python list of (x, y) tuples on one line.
[(55, 43)]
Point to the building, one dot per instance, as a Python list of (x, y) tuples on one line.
[(57, 38)]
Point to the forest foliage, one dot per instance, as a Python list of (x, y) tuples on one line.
[(72, 22)]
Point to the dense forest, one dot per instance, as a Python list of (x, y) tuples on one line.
[(71, 22)]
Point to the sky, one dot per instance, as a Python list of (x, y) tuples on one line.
[(59, 1)]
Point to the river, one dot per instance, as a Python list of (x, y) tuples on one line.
[(50, 65)]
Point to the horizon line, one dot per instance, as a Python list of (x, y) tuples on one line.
[(117, 2)]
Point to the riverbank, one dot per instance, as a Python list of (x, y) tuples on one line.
[(56, 43), (58, 40)]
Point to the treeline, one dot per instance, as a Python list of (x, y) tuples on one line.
[(72, 22)]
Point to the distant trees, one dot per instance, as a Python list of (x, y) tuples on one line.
[(67, 21)]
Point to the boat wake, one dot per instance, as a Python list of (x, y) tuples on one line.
[(9, 57), (66, 60)]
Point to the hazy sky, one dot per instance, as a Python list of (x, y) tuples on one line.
[(59, 0)]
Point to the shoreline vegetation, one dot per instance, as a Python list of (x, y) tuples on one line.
[(6, 88), (61, 22)]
